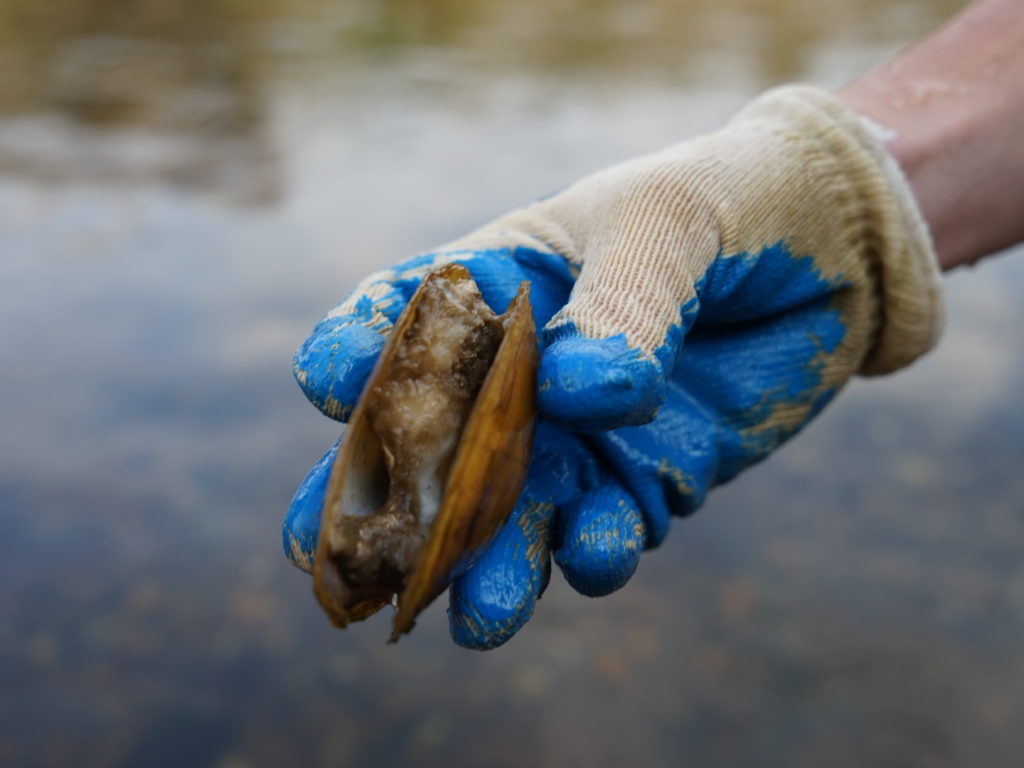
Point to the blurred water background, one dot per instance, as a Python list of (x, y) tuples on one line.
[(185, 187)]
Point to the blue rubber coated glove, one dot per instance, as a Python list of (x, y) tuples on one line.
[(699, 305)]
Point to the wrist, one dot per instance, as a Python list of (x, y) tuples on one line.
[(953, 108), (918, 140), (841, 196)]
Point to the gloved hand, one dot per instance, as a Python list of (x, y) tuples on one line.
[(699, 305)]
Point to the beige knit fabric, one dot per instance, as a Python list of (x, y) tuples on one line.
[(794, 165)]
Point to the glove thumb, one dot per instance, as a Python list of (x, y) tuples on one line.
[(610, 350)]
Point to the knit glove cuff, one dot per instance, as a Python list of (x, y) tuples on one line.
[(883, 222)]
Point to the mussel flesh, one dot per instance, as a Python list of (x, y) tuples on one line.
[(435, 453)]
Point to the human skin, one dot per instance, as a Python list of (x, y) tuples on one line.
[(954, 106)]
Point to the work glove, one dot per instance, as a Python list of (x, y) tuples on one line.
[(698, 306)]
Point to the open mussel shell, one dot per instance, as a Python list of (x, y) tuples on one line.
[(435, 453)]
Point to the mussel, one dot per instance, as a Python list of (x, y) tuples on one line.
[(434, 456)]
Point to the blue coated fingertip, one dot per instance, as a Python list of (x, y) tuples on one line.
[(590, 385), (493, 599), (302, 520), (602, 536), (669, 464), (333, 364)]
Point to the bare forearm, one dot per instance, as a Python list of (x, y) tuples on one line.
[(955, 106)]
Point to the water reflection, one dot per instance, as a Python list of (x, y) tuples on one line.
[(185, 187), (181, 89), (134, 93)]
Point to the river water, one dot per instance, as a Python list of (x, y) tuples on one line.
[(186, 187)]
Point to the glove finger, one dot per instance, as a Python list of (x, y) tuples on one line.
[(668, 465), (302, 520), (493, 599), (591, 385), (610, 350), (496, 596), (333, 363), (601, 536)]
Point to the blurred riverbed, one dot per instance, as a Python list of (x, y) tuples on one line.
[(185, 188)]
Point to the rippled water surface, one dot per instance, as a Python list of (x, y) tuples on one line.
[(186, 187)]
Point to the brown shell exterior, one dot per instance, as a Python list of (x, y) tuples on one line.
[(483, 483)]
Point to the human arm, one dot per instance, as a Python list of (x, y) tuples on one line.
[(953, 105)]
